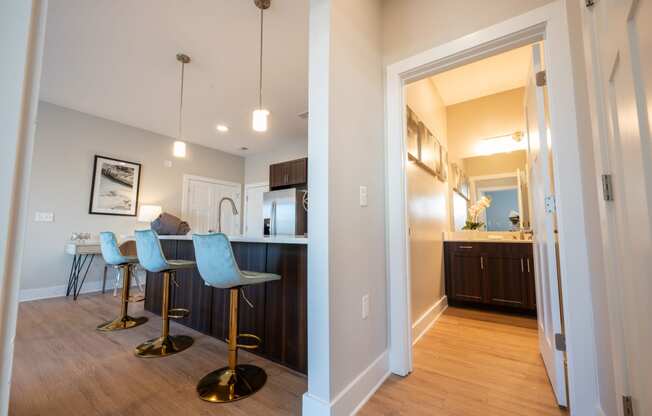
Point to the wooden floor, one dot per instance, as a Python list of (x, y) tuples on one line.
[(62, 366), (471, 363)]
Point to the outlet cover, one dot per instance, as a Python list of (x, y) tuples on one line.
[(365, 307), (44, 217)]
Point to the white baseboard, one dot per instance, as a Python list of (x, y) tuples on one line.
[(428, 319), (350, 400), (27, 295)]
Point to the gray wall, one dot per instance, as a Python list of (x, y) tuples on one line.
[(66, 142), (413, 26), (257, 166)]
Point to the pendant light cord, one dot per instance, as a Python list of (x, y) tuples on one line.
[(260, 65), (181, 103)]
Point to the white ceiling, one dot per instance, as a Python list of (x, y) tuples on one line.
[(492, 75), (116, 59)]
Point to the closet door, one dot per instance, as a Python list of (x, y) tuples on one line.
[(202, 206)]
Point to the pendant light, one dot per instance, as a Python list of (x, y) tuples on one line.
[(180, 144), (260, 115)]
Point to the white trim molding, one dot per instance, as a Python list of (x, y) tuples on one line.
[(428, 319), (548, 22), (354, 396)]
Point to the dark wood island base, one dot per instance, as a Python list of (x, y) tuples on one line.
[(279, 316)]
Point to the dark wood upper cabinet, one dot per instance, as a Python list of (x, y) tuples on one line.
[(288, 174), (490, 274)]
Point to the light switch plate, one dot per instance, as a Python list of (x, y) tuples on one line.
[(364, 201), (44, 217), (365, 307)]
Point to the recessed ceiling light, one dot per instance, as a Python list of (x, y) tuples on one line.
[(222, 128), (244, 148)]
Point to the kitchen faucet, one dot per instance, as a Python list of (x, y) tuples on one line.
[(219, 212)]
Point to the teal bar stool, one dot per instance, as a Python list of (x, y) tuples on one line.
[(218, 268), (123, 264), (150, 255)]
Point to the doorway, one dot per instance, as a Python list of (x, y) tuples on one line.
[(485, 123), (545, 23)]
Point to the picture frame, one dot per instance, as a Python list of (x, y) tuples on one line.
[(115, 187), (443, 173), (437, 156), (427, 145), (412, 138)]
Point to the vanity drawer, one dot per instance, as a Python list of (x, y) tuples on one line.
[(462, 246)]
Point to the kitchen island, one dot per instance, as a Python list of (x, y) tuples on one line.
[(279, 316)]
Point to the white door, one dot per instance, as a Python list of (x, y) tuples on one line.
[(201, 205), (618, 37), (253, 226), (543, 219)]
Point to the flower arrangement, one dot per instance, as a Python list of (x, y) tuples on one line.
[(475, 210)]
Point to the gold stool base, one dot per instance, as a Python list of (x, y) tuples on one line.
[(163, 346), (121, 323), (225, 385)]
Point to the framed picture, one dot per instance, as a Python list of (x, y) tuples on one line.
[(115, 188), (437, 156), (427, 147), (413, 134), (443, 173)]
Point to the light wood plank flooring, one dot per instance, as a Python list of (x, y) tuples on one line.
[(471, 363), (62, 366)]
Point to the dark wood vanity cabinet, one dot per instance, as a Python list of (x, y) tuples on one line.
[(499, 275), (288, 174)]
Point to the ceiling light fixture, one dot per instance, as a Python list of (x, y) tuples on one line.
[(260, 115), (222, 128), (180, 144)]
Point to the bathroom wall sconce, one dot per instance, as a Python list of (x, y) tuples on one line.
[(501, 144)]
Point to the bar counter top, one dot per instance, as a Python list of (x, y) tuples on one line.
[(277, 239)]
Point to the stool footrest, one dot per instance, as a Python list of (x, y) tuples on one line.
[(252, 346), (178, 313)]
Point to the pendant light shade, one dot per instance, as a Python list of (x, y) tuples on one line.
[(260, 120), (260, 115), (179, 149), (180, 144)]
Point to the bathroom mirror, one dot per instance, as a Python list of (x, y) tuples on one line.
[(503, 178)]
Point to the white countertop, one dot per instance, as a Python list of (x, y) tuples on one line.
[(486, 240), (485, 237), (279, 239)]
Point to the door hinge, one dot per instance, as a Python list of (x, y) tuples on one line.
[(590, 3), (542, 80), (628, 406), (560, 342), (607, 187), (550, 204)]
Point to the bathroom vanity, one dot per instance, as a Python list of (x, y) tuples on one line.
[(490, 274), (279, 315)]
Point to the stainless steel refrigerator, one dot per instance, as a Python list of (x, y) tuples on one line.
[(285, 212)]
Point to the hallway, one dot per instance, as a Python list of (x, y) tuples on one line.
[(471, 363)]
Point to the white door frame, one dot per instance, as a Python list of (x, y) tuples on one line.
[(245, 201), (549, 23), (19, 82)]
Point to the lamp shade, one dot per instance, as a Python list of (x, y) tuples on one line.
[(149, 213)]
